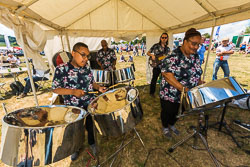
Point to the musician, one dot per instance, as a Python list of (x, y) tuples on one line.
[(180, 70), (106, 57), (73, 80), (158, 49)]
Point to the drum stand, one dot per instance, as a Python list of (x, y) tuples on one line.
[(201, 132), (121, 147), (224, 124)]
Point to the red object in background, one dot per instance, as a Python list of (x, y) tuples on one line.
[(221, 58), (59, 60), (17, 48)]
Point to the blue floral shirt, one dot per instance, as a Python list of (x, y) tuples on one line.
[(106, 58), (69, 77), (157, 49), (186, 70)]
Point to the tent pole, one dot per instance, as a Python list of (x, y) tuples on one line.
[(62, 41), (209, 49), (28, 67), (67, 39)]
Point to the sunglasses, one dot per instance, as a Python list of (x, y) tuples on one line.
[(82, 54), (164, 37)]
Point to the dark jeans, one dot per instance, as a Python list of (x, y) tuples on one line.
[(169, 112), (89, 127), (28, 85), (156, 73)]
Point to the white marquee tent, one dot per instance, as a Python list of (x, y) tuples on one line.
[(54, 25)]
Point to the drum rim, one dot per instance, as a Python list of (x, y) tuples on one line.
[(44, 127), (94, 114)]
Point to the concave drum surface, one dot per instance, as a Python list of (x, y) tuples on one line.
[(39, 136), (213, 94), (116, 111)]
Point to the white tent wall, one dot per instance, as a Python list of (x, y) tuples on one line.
[(54, 44)]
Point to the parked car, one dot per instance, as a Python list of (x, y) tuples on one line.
[(18, 53)]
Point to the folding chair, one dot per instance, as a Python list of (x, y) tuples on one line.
[(2, 88), (44, 80)]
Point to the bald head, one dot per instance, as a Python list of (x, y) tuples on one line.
[(104, 45)]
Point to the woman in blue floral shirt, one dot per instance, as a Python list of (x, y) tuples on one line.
[(73, 80), (181, 71)]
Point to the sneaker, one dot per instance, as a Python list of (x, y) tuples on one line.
[(74, 156), (22, 95), (93, 148), (166, 133), (176, 132)]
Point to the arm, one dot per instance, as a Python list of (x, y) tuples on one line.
[(99, 88), (169, 77), (63, 91), (99, 63)]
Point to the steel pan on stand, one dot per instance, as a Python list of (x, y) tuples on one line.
[(205, 97), (39, 136), (115, 113)]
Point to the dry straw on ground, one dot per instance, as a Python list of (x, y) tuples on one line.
[(156, 154)]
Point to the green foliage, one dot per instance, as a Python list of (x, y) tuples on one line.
[(207, 35), (247, 31)]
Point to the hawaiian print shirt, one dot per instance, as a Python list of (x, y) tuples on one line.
[(69, 77), (106, 58), (186, 70), (157, 49)]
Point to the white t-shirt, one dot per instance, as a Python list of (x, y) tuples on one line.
[(222, 48)]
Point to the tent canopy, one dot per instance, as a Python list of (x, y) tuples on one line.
[(128, 18)]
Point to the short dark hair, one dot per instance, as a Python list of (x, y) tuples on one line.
[(78, 45), (191, 33), (161, 36)]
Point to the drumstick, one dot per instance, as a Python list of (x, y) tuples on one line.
[(92, 92), (113, 86)]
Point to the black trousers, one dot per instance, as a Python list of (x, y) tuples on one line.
[(156, 73), (169, 112), (89, 128)]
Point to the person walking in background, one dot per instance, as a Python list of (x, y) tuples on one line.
[(222, 54), (202, 49)]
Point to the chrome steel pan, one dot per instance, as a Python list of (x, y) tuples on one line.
[(115, 113), (39, 136), (213, 94)]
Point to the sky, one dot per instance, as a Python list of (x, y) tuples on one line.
[(226, 30)]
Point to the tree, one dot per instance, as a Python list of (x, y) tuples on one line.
[(207, 35), (247, 31)]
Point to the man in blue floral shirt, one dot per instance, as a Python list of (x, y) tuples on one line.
[(74, 80), (106, 57), (181, 71)]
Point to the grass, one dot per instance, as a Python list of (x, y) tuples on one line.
[(155, 154)]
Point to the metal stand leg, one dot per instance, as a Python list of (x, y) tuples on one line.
[(197, 133), (114, 155), (223, 123)]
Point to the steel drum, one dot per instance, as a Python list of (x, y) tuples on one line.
[(102, 77), (213, 94), (116, 111), (125, 74), (39, 136)]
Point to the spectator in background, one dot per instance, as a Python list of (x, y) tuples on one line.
[(222, 54), (117, 49), (13, 60), (243, 47), (130, 59), (202, 49), (37, 76), (122, 59)]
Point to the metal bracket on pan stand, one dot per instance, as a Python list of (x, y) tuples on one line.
[(121, 147), (223, 123), (201, 132)]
